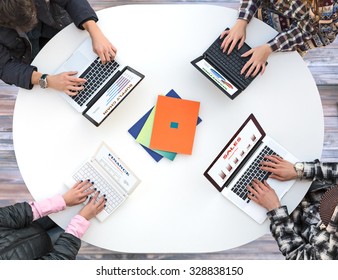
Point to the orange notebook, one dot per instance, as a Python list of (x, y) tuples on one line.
[(174, 125)]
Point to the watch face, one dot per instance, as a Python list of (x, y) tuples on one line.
[(299, 166)]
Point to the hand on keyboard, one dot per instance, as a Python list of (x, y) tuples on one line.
[(93, 207), (67, 82), (279, 168), (78, 193), (101, 45), (263, 194), (235, 35), (257, 61)]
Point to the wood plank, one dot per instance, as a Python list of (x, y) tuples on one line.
[(10, 177), (6, 122), (329, 155), (8, 160), (7, 91), (323, 56), (325, 74), (331, 140), (264, 247), (98, 5), (7, 107), (6, 141)]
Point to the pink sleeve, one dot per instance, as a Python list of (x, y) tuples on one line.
[(47, 206), (78, 226)]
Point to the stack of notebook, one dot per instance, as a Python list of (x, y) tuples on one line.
[(168, 128)]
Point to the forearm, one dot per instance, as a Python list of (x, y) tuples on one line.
[(92, 28), (287, 41), (78, 226), (301, 28), (18, 74), (80, 11), (17, 216), (248, 9), (36, 75), (317, 170), (47, 206)]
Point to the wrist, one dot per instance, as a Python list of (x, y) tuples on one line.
[(91, 27), (273, 206), (35, 77), (268, 49), (242, 22), (64, 196), (85, 214)]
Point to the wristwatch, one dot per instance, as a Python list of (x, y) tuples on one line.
[(299, 167), (43, 81)]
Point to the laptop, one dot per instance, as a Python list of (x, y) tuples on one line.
[(238, 164), (107, 84), (224, 70), (111, 176)]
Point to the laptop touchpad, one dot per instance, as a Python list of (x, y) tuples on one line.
[(77, 62)]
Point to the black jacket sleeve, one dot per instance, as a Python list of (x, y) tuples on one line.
[(66, 248), (15, 72), (79, 10), (16, 216)]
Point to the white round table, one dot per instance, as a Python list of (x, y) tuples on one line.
[(175, 209)]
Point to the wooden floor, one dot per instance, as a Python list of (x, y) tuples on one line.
[(323, 64)]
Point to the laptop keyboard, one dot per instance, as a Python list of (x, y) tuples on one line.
[(251, 173), (230, 63), (114, 198), (96, 74)]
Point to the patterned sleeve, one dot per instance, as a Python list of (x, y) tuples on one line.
[(300, 31), (317, 170), (248, 8), (290, 243)]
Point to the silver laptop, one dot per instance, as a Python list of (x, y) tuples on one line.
[(111, 177), (107, 84), (238, 164)]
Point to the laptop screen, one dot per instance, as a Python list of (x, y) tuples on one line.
[(217, 77), (235, 153), (100, 108), (117, 170)]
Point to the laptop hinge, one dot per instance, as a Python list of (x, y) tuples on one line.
[(240, 166), (233, 77)]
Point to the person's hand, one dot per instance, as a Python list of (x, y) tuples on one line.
[(279, 168), (78, 193), (257, 61), (263, 194), (103, 48), (66, 82), (101, 45), (93, 207), (234, 35)]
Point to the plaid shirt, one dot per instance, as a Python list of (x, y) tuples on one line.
[(302, 235), (294, 20)]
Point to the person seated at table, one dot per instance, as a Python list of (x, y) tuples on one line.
[(301, 24), (311, 231), (27, 233), (26, 25)]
